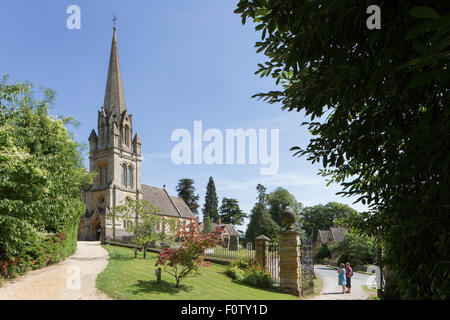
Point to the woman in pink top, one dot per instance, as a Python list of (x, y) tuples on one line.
[(348, 276)]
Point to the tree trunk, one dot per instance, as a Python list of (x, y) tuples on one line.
[(145, 252)]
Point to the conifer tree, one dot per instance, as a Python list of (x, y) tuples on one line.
[(207, 225), (210, 209), (186, 191)]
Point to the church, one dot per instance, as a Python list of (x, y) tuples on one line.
[(116, 157)]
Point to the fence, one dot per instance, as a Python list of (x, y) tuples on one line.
[(307, 263), (219, 253), (224, 253), (273, 262)]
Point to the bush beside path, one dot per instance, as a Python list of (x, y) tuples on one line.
[(51, 283)]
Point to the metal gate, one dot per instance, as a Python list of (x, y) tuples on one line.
[(273, 262), (307, 264)]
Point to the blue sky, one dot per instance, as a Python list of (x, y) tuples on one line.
[(181, 61)]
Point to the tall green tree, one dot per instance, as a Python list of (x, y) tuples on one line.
[(262, 194), (41, 169), (323, 217), (211, 206), (279, 200), (186, 191), (207, 225), (381, 96), (230, 212), (261, 223)]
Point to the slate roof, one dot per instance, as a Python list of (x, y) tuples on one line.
[(228, 227), (323, 236), (169, 205), (338, 234)]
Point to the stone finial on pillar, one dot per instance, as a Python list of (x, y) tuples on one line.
[(290, 267), (262, 251)]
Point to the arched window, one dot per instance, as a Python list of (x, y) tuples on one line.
[(124, 174), (130, 177), (127, 135)]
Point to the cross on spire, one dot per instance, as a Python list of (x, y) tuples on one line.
[(114, 20)]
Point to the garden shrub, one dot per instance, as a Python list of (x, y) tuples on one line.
[(323, 253), (248, 271)]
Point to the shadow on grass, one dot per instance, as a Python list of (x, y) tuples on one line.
[(142, 286)]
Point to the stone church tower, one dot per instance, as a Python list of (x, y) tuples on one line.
[(114, 155)]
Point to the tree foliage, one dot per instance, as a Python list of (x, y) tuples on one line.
[(42, 175), (278, 201), (381, 100), (143, 222), (261, 223), (262, 194), (356, 248), (230, 212), (211, 206), (186, 260), (323, 217), (207, 225), (186, 191)]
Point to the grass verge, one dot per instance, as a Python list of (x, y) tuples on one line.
[(127, 278)]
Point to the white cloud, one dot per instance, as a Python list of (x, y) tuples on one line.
[(155, 155)]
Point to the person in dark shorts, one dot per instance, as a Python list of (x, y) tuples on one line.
[(348, 276)]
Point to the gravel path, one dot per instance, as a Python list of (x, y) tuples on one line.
[(332, 291), (72, 279)]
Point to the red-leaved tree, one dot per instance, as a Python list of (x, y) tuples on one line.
[(186, 260)]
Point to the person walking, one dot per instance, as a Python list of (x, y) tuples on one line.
[(348, 276), (341, 277)]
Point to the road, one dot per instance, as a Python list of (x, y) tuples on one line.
[(332, 291), (72, 279)]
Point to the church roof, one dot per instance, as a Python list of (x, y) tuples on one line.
[(323, 236), (169, 205), (338, 234), (114, 95), (228, 227)]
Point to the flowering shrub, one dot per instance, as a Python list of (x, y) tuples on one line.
[(186, 260)]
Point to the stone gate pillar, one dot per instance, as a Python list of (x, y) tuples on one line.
[(262, 251), (290, 267)]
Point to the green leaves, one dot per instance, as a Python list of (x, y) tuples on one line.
[(382, 101), (41, 172), (422, 12)]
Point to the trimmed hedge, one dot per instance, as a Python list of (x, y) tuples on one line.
[(47, 249)]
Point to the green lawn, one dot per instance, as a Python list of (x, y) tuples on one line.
[(127, 278)]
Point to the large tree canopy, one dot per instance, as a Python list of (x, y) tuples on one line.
[(323, 217), (41, 170), (381, 98), (230, 212)]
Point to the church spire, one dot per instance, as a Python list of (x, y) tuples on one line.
[(114, 96)]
